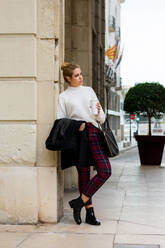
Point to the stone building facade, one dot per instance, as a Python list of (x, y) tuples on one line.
[(36, 36)]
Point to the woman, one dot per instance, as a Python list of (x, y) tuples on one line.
[(75, 103)]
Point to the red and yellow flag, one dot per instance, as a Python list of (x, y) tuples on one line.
[(110, 53), (117, 50)]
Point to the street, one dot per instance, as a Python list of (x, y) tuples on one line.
[(130, 207)]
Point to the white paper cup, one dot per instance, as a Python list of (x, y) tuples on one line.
[(93, 107)]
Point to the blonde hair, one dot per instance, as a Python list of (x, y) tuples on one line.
[(68, 69)]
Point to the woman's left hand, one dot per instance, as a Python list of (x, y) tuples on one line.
[(82, 127), (98, 107)]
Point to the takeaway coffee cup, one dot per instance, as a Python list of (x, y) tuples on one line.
[(93, 107)]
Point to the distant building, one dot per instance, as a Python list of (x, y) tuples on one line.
[(113, 34)]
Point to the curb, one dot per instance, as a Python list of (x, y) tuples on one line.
[(127, 148)]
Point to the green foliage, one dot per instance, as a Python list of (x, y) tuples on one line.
[(147, 99)]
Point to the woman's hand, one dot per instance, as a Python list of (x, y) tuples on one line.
[(82, 127), (98, 106)]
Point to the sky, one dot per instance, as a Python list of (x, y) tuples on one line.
[(143, 38)]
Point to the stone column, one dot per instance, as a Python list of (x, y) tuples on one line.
[(78, 38), (85, 43), (31, 48), (98, 48), (78, 50), (50, 52), (18, 112)]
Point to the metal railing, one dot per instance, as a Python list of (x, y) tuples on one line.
[(117, 33), (112, 24)]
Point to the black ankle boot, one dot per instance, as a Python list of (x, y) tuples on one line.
[(90, 217), (77, 205)]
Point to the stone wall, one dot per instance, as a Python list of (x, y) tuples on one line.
[(82, 18), (78, 50), (78, 40), (31, 48)]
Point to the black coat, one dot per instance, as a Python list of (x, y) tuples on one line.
[(73, 144)]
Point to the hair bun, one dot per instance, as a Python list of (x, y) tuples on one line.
[(68, 69), (64, 65)]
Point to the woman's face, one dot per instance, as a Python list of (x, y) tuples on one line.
[(76, 79)]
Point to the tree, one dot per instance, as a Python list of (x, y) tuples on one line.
[(146, 98)]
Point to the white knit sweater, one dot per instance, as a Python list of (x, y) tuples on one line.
[(74, 103)]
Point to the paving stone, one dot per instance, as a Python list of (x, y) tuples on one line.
[(52, 240), (140, 239), (145, 215), (11, 240), (135, 246), (133, 228)]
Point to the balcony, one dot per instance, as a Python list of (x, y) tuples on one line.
[(114, 80), (111, 77), (109, 73), (112, 24), (117, 33), (119, 87)]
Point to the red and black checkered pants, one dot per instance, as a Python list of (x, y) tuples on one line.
[(89, 186)]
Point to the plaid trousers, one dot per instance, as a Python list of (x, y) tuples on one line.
[(89, 186)]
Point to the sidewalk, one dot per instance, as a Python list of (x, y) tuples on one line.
[(131, 207), (125, 146)]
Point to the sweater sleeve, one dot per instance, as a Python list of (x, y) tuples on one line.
[(61, 110), (101, 116)]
